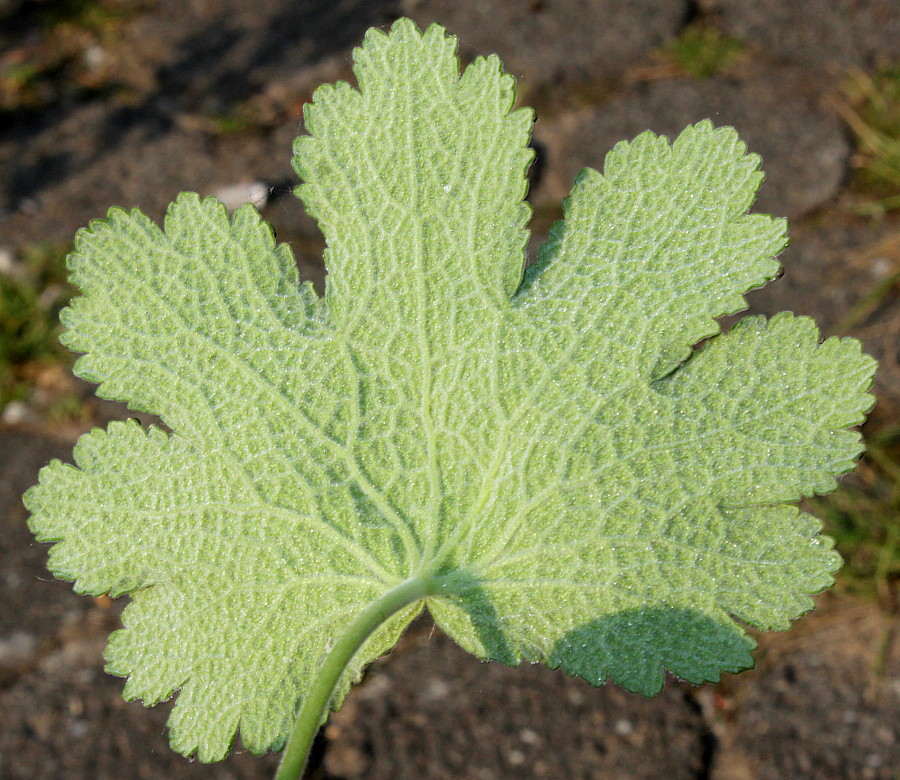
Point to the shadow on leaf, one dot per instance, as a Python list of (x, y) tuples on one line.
[(635, 646)]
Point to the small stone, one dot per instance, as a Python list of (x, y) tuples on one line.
[(18, 413), (17, 651), (575, 697), (94, 57), (515, 757), (881, 268), (7, 261), (376, 686), (436, 689), (529, 736), (78, 729), (623, 727), (234, 196)]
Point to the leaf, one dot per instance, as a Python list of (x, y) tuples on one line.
[(594, 491)]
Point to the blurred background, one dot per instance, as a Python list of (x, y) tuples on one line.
[(129, 102)]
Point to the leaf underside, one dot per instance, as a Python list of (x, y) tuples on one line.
[(607, 497)]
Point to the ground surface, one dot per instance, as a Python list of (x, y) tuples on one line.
[(131, 107)]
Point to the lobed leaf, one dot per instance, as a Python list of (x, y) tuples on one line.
[(594, 491)]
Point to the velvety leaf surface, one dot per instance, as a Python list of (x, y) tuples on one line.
[(598, 493)]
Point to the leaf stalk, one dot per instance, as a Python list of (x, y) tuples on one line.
[(315, 705)]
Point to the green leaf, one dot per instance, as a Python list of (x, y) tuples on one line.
[(593, 490)]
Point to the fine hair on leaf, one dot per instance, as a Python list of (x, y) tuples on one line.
[(544, 459)]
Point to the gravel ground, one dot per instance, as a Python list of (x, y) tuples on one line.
[(205, 95)]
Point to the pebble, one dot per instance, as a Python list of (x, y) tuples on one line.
[(233, 196), (7, 261), (94, 57), (17, 651), (18, 413), (623, 727)]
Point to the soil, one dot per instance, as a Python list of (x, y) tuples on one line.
[(206, 95)]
